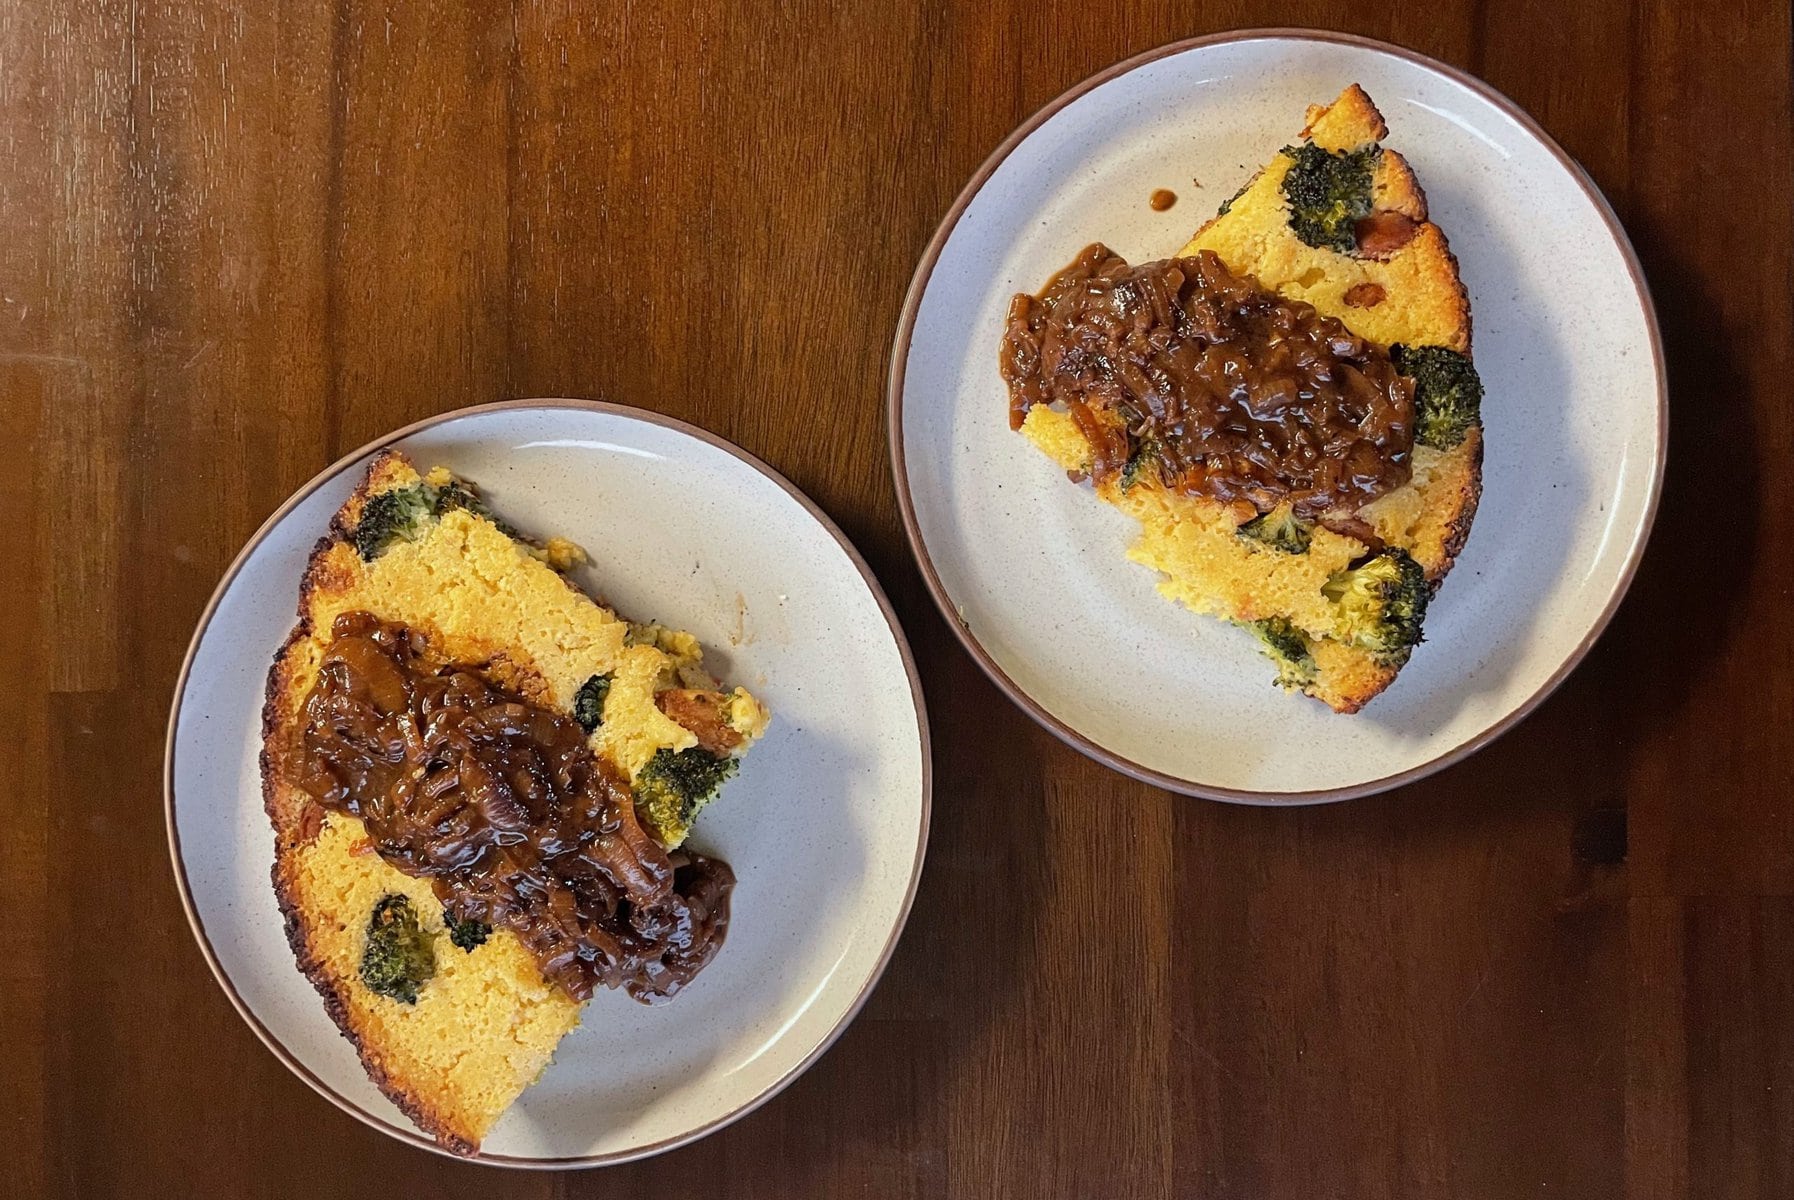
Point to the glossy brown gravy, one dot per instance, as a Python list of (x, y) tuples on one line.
[(504, 807), (1162, 199), (1228, 390)]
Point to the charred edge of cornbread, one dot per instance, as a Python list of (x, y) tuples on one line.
[(1469, 500), (1359, 120), (395, 1054), (285, 806), (1352, 121), (425, 1116)]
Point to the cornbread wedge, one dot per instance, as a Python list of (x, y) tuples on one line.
[(454, 1049), (1375, 263)]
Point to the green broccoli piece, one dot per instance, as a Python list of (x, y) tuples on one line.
[(395, 516), (456, 494), (588, 702), (1448, 393), (400, 956), (1329, 194), (1280, 529), (1382, 604), (1288, 647), (671, 789), (403, 513), (1139, 463), (466, 934)]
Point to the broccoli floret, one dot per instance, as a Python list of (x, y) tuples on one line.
[(466, 934), (1139, 463), (1382, 604), (1329, 194), (394, 516), (1286, 646), (456, 494), (588, 702), (402, 514), (1448, 393), (671, 789), (399, 957), (1280, 529)]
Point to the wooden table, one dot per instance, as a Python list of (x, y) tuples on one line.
[(238, 242)]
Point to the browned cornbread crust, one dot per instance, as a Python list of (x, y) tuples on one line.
[(487, 1022), (285, 804)]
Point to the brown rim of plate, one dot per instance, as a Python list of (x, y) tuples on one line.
[(413, 1136), (900, 474)]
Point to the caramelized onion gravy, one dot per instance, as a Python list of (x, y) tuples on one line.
[(504, 807), (1227, 390)]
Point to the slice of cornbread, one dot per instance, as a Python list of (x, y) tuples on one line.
[(1388, 275), (485, 1025)]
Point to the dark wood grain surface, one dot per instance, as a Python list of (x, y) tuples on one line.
[(236, 241)]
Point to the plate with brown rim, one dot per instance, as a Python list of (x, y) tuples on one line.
[(1031, 572), (825, 825)]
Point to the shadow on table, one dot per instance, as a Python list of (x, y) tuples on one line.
[(1670, 634), (1684, 608)]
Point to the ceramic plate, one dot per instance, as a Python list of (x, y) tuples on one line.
[(1030, 570), (824, 825)]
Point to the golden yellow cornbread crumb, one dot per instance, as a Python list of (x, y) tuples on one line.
[(483, 1027)]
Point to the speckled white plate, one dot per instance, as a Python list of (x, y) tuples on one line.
[(825, 824), (1030, 570)]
